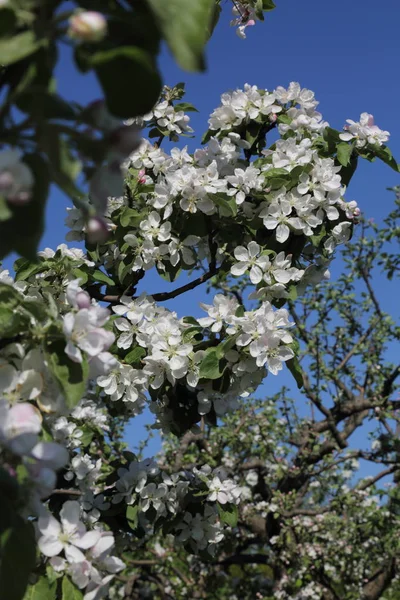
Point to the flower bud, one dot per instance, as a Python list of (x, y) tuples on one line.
[(6, 181), (97, 230), (83, 300), (142, 176), (87, 26), (16, 179)]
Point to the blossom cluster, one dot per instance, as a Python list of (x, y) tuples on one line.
[(73, 370), (84, 555)]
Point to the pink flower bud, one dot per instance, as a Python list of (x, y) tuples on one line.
[(142, 176), (273, 118), (83, 300), (6, 180), (87, 26), (97, 230)]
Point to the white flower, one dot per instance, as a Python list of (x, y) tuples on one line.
[(222, 312), (19, 426), (153, 495), (83, 333), (243, 182), (168, 118), (249, 259), (278, 216), (153, 228), (218, 491), (364, 132), (68, 536)]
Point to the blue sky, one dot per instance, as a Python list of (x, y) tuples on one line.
[(346, 52)]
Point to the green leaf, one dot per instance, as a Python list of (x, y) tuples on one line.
[(129, 79), (192, 333), (346, 173), (81, 275), (42, 590), (9, 296), (52, 105), (228, 513), (296, 370), (10, 322), (170, 273), (64, 167), (211, 367), (26, 268), (317, 238), (17, 551), (7, 20), (5, 212), (343, 153), (384, 154), (87, 436), (37, 308), (208, 135), (259, 10), (69, 591), (124, 268), (226, 345), (132, 515), (226, 204), (185, 106), (134, 356), (13, 49), (268, 5), (71, 376), (22, 233), (102, 277), (332, 136), (185, 25), (285, 119)]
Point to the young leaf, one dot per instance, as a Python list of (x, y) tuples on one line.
[(343, 153), (134, 356), (102, 277), (132, 516), (41, 590), (228, 513), (185, 26), (13, 49), (295, 369), (385, 155), (71, 376), (69, 591), (210, 367)]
